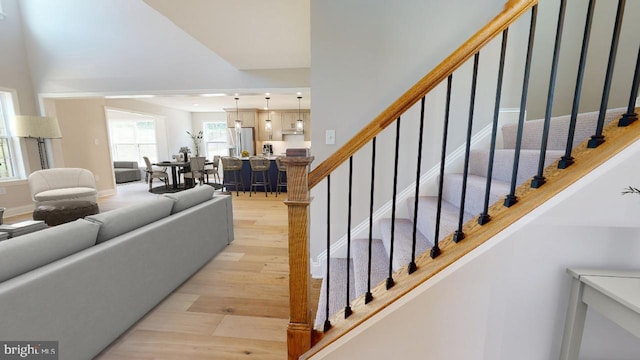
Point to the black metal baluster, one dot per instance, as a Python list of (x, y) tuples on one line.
[(443, 156), (390, 281), (631, 115), (567, 159), (347, 308), (412, 264), (511, 199), (459, 234), (598, 138), (485, 217), (327, 322), (539, 179), (368, 296)]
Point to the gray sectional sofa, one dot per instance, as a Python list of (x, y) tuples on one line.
[(126, 171), (86, 282)]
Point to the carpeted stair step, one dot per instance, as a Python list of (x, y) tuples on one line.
[(338, 287), (558, 130), (427, 211), (379, 263), (403, 241), (503, 163), (476, 186)]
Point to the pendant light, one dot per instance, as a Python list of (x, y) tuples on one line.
[(267, 122), (299, 122), (238, 123)]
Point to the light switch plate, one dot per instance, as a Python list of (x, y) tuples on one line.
[(330, 137)]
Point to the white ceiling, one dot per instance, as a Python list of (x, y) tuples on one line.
[(249, 34)]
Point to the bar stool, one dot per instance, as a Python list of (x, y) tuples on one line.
[(260, 166), (232, 166), (282, 173)]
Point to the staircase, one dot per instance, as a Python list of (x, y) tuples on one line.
[(542, 156), (451, 200)]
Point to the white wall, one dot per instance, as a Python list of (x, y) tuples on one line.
[(14, 74), (599, 46), (365, 55), (508, 298), (364, 60)]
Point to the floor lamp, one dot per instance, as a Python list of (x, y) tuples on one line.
[(40, 128)]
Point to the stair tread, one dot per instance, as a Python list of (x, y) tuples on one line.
[(503, 163), (474, 200), (403, 240), (338, 290), (379, 263), (449, 216)]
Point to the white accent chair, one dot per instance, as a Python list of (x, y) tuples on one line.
[(62, 184)]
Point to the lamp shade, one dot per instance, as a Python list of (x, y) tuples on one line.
[(45, 127)]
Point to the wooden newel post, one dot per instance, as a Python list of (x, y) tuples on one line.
[(298, 200)]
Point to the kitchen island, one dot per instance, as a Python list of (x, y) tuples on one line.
[(273, 175)]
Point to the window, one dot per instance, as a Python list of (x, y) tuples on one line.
[(7, 148), (131, 139), (215, 139)]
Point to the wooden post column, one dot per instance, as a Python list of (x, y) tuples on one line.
[(298, 200)]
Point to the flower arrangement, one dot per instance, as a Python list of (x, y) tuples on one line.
[(185, 150), (197, 139)]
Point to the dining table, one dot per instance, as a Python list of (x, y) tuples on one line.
[(175, 166)]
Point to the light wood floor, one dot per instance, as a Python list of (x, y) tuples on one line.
[(236, 306)]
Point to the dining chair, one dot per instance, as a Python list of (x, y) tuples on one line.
[(214, 169), (157, 174), (196, 170)]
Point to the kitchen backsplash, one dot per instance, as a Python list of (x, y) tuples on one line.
[(280, 147)]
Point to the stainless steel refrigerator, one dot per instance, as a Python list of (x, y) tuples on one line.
[(244, 140)]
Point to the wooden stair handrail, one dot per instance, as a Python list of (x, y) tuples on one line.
[(512, 11)]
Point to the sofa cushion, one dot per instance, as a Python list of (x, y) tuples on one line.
[(188, 198), (119, 221), (24, 253), (126, 175), (66, 193)]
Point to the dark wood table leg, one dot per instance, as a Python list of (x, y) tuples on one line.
[(174, 177)]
